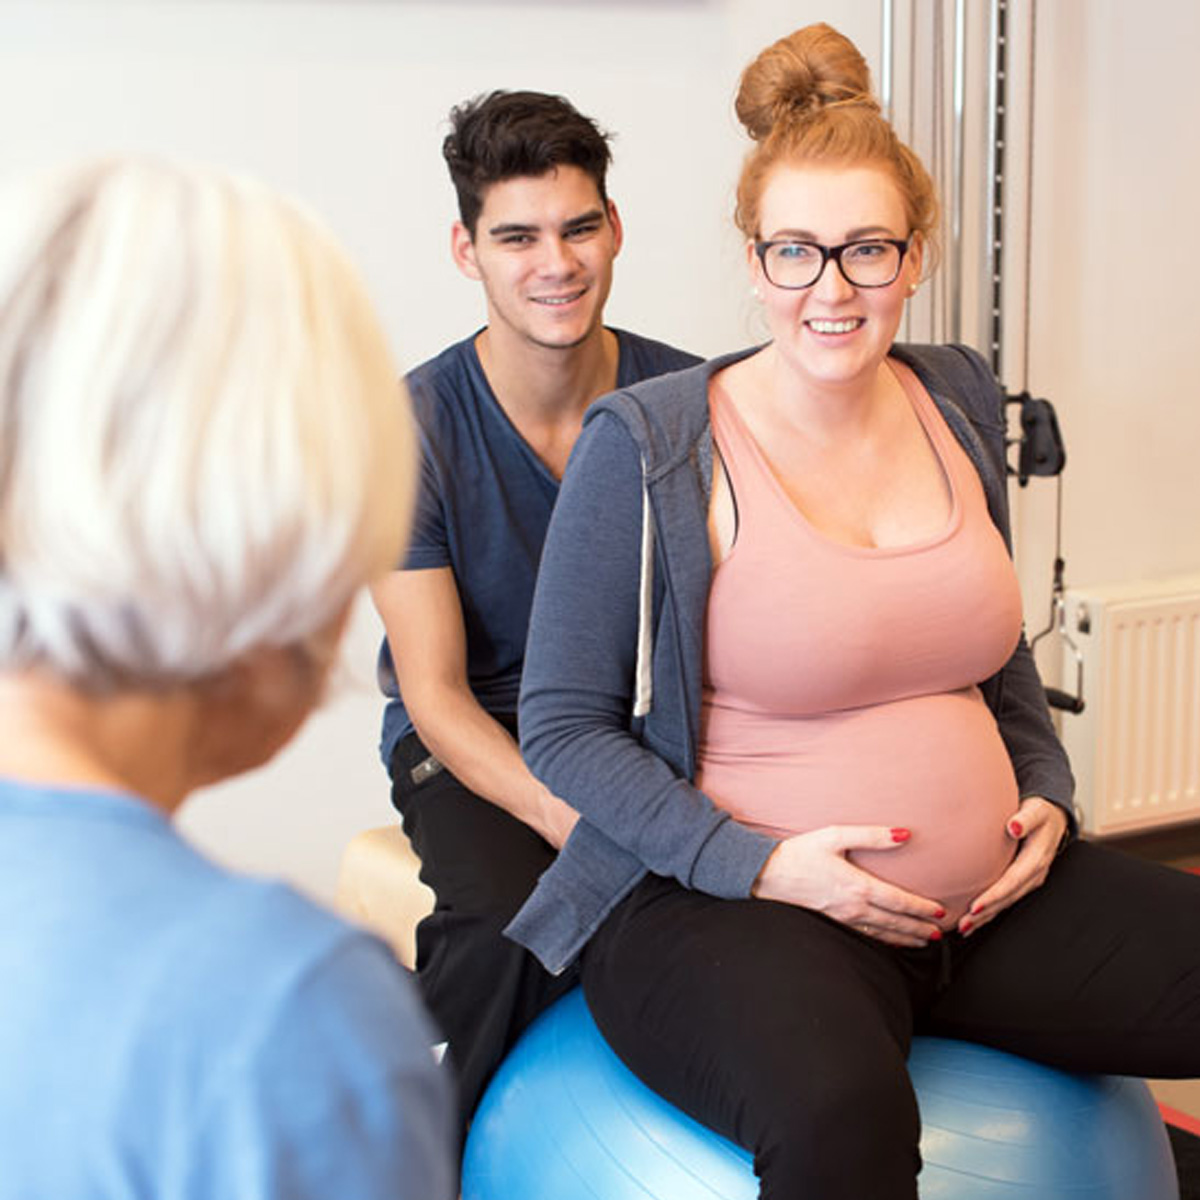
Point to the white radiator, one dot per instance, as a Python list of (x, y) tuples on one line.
[(1135, 748)]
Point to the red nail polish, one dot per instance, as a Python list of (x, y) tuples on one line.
[(976, 909), (936, 936), (941, 912), (965, 926), (1015, 828), (901, 835)]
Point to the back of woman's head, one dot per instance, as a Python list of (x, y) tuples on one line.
[(204, 450), (806, 101)]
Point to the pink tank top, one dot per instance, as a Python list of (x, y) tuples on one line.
[(840, 681)]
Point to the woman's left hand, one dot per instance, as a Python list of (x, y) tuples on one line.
[(1038, 825)]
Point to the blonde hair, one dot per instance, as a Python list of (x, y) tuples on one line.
[(204, 445), (807, 99)]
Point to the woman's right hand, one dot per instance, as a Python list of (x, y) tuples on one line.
[(811, 870)]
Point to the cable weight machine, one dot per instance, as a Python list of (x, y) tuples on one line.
[(1038, 444)]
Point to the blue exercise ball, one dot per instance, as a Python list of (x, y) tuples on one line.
[(564, 1119)]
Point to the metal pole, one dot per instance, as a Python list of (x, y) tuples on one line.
[(957, 167), (1028, 315), (910, 129), (888, 54), (993, 314)]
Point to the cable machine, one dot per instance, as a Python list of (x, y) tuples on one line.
[(1038, 444)]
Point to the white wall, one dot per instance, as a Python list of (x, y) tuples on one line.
[(343, 102), (1116, 297)]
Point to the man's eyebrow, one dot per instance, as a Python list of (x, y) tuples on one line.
[(591, 217), (511, 227), (587, 218)]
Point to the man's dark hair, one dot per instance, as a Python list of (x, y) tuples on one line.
[(503, 135)]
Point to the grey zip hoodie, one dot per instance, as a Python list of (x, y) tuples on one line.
[(611, 690)]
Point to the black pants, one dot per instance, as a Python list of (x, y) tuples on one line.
[(481, 863), (788, 1032)]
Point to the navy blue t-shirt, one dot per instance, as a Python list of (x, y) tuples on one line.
[(483, 506)]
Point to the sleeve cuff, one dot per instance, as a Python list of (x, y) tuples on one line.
[(730, 861)]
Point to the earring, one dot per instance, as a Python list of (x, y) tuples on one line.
[(912, 289), (756, 293)]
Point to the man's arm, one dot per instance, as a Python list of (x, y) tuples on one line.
[(422, 615)]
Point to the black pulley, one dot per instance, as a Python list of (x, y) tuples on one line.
[(1041, 450)]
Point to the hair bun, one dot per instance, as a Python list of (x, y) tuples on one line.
[(800, 74)]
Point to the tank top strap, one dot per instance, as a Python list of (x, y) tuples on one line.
[(751, 478), (946, 449)]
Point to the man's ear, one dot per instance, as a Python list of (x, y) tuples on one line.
[(614, 219), (462, 250)]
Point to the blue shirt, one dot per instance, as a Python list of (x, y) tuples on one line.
[(170, 1029), (483, 506)]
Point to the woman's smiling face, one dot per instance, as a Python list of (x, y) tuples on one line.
[(834, 334)]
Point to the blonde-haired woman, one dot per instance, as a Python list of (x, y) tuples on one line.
[(203, 459), (776, 663)]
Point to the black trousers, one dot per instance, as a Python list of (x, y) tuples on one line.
[(481, 864), (788, 1032)]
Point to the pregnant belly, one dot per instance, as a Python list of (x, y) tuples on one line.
[(935, 765)]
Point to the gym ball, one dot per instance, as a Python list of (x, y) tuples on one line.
[(563, 1118)]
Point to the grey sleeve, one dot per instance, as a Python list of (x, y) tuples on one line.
[(577, 687)]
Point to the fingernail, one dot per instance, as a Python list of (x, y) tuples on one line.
[(941, 912), (936, 935), (902, 835), (976, 909), (1015, 828), (965, 926)]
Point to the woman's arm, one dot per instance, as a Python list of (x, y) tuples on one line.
[(1018, 700), (1017, 696), (1044, 820), (578, 681)]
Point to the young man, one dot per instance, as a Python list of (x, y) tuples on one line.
[(499, 413)]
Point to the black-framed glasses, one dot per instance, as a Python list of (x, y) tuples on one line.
[(868, 263)]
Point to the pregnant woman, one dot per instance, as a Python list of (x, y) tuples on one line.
[(776, 664)]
